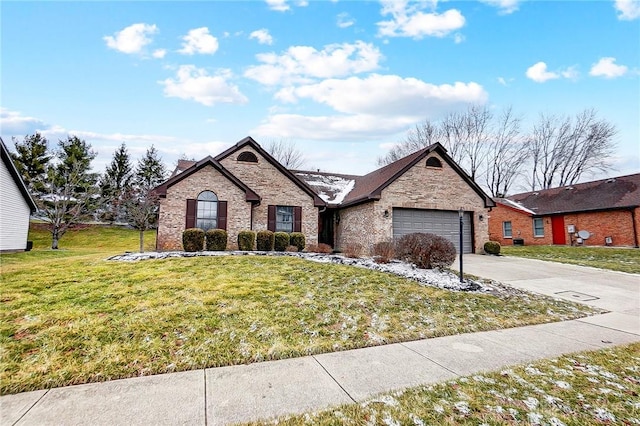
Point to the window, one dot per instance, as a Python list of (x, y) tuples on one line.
[(506, 229), (284, 219), (538, 227), (207, 211), (248, 157), (434, 162)]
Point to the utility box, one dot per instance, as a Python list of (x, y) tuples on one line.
[(518, 241), (608, 241)]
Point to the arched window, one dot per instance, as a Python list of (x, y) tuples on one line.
[(248, 157), (433, 162), (207, 211)]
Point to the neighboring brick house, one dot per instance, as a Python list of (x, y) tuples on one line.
[(605, 211), (245, 188)]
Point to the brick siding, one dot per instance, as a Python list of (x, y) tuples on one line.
[(420, 187), (617, 224)]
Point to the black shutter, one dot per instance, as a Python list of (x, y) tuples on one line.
[(271, 218), (297, 219), (222, 215), (191, 213)]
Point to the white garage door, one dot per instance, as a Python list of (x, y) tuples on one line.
[(445, 223)]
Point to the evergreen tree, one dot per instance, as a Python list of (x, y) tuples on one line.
[(31, 159), (70, 193), (150, 171), (115, 182)]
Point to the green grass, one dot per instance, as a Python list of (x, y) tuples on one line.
[(614, 259), (70, 317), (599, 387)]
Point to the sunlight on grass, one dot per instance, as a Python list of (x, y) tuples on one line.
[(599, 387), (614, 259), (79, 318)]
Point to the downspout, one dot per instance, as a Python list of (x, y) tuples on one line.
[(635, 229)]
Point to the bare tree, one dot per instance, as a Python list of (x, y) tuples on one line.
[(563, 149), (286, 152), (423, 135), (141, 207), (505, 154)]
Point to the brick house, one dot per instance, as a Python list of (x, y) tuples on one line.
[(246, 188), (606, 212)]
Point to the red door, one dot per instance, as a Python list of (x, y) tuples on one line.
[(557, 230)]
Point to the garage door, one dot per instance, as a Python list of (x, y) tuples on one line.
[(445, 223)]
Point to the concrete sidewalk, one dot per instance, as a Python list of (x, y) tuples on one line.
[(226, 395)]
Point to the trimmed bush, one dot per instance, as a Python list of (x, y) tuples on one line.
[(353, 250), (246, 240), (426, 251), (193, 239), (292, 249), (216, 239), (265, 240), (492, 247), (383, 251), (281, 241), (297, 239)]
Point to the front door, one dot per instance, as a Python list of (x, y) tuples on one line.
[(557, 230)]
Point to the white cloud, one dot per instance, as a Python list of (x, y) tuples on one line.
[(628, 10), (408, 20), (196, 84), (538, 73), (132, 39), (373, 107), (607, 68), (344, 20), (198, 40), (262, 35), (571, 73), (283, 6), (458, 38), (505, 6), (159, 53), (300, 64), (13, 123), (385, 95)]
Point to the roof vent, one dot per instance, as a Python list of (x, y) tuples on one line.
[(611, 180), (569, 187), (536, 193)]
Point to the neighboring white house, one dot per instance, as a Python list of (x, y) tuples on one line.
[(16, 206)]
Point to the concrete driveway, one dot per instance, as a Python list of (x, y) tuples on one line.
[(617, 292)]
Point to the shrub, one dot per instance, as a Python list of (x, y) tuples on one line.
[(492, 247), (246, 240), (383, 251), (352, 250), (320, 248), (426, 250), (297, 239), (292, 249), (265, 240), (216, 239), (193, 239), (281, 241)]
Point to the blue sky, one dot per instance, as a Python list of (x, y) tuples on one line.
[(344, 80)]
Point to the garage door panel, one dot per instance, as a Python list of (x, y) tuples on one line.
[(445, 223)]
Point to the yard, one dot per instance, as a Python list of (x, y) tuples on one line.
[(71, 317), (615, 259), (599, 387)]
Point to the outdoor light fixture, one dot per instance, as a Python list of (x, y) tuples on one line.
[(386, 214), (460, 216)]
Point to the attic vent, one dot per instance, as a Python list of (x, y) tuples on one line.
[(248, 157), (434, 162)]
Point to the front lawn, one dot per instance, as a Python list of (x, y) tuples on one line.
[(68, 319), (589, 388), (615, 259)]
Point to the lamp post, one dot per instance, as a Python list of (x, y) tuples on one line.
[(460, 215)]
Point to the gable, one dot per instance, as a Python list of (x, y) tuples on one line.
[(15, 177)]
